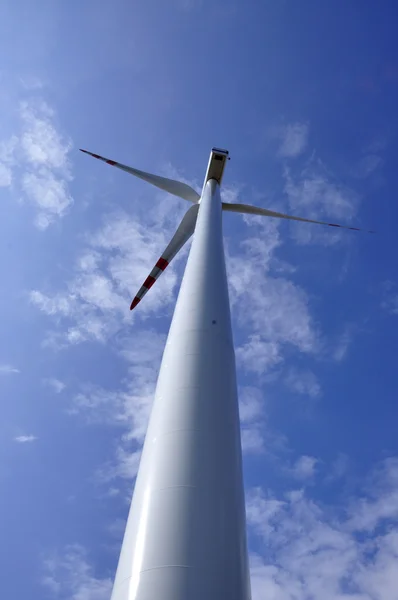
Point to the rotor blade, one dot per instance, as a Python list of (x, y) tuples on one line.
[(182, 190), (181, 236), (255, 210)]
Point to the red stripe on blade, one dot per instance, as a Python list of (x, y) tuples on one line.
[(162, 263), (135, 302), (111, 162), (149, 281)]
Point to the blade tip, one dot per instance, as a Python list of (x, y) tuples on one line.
[(135, 302)]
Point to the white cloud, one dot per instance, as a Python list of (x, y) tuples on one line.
[(390, 304), (342, 345), (7, 160), (8, 370), (31, 82), (37, 160), (5, 175), (261, 510), (256, 436), (47, 171), (55, 384), (277, 310), (24, 439), (274, 309), (303, 382), (49, 192), (367, 165), (251, 411), (314, 193), (127, 408), (381, 501), (56, 305), (41, 143), (338, 468), (124, 465), (230, 193), (252, 439), (250, 404), (116, 528), (258, 355), (8, 149), (110, 270), (315, 190), (305, 467), (306, 550), (293, 139), (70, 575), (260, 244), (390, 298), (379, 577)]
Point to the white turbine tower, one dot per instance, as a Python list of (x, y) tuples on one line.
[(185, 537)]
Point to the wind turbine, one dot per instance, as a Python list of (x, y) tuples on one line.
[(185, 536)]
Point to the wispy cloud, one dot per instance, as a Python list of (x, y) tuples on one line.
[(8, 370), (124, 465), (339, 352), (55, 384), (390, 297), (68, 574), (49, 193), (112, 267), (277, 311), (315, 193), (380, 499), (7, 151), (251, 411), (257, 355), (37, 160), (303, 382), (45, 181), (5, 175), (41, 143), (307, 550), (128, 407), (305, 467), (256, 434), (367, 165), (274, 309), (338, 468), (293, 139), (31, 82), (57, 305), (25, 439)]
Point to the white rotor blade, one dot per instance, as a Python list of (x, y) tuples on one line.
[(181, 236), (255, 210), (182, 190)]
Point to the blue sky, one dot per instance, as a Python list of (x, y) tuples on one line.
[(304, 96)]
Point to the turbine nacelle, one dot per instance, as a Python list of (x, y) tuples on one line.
[(215, 168)]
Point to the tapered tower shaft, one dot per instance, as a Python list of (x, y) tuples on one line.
[(185, 537)]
